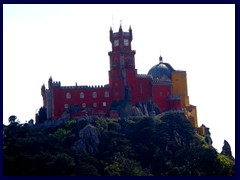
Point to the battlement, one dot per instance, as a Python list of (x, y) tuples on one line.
[(126, 34), (87, 87), (56, 84), (179, 71), (157, 81), (115, 34), (144, 76)]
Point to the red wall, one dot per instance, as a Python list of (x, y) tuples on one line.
[(59, 95), (160, 96), (142, 89), (175, 104)]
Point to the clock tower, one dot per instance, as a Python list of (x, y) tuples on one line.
[(122, 74)]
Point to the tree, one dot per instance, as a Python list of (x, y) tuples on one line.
[(12, 119), (42, 115)]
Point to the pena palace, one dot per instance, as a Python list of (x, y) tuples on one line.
[(163, 85)]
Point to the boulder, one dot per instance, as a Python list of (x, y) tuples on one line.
[(226, 150), (89, 140)]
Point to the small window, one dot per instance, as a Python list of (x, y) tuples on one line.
[(68, 96), (66, 106), (106, 94), (82, 95), (83, 105), (104, 104), (116, 42), (94, 94), (94, 104), (125, 42)]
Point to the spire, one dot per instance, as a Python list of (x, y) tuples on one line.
[(120, 28), (111, 29), (160, 59), (130, 32)]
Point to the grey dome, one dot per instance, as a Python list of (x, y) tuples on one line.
[(161, 69)]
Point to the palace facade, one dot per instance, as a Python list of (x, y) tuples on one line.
[(163, 85)]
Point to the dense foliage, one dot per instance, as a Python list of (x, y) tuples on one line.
[(161, 146)]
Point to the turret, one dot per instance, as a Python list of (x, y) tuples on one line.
[(111, 34), (130, 32), (43, 93), (43, 90), (50, 82), (120, 29)]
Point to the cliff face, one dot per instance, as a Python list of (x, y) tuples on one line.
[(137, 146)]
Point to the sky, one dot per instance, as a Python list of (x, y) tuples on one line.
[(71, 44)]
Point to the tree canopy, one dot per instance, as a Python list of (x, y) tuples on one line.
[(160, 146)]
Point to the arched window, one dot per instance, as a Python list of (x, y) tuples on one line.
[(68, 96), (83, 105), (104, 104), (94, 104), (94, 94), (65, 106), (82, 95), (106, 94)]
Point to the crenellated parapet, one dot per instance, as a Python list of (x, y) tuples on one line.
[(87, 87), (56, 84), (179, 71), (144, 76), (157, 81)]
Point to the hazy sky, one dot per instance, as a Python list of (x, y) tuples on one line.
[(71, 44)]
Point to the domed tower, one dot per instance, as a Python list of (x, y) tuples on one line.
[(162, 86), (178, 79)]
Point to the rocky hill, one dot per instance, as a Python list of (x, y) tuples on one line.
[(166, 145)]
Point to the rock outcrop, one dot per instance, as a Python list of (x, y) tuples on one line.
[(226, 150), (178, 138), (89, 140)]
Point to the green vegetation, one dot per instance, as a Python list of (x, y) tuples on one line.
[(160, 146)]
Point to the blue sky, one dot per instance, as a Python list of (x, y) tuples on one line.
[(71, 44)]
